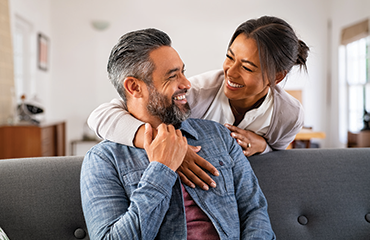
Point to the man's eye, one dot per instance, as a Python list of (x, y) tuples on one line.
[(172, 77)]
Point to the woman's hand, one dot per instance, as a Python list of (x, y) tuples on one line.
[(248, 140), (191, 171)]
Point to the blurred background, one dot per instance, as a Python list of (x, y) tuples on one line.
[(55, 54)]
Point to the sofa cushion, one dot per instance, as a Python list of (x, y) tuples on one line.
[(316, 193), (42, 198)]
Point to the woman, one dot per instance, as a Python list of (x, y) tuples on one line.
[(244, 96)]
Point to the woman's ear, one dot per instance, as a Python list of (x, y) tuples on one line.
[(133, 87), (280, 76)]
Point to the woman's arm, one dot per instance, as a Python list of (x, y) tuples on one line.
[(111, 121), (287, 120)]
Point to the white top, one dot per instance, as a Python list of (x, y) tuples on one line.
[(278, 119), (221, 112)]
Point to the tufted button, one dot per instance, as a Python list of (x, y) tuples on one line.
[(302, 220), (367, 217), (79, 233)]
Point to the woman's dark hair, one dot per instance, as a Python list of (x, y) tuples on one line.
[(278, 46)]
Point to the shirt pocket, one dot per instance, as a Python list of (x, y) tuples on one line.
[(131, 180), (225, 181)]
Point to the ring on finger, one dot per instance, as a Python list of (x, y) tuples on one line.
[(249, 145)]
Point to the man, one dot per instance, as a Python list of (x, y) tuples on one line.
[(132, 193)]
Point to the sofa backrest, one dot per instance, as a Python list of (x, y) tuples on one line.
[(312, 194), (40, 198), (317, 193)]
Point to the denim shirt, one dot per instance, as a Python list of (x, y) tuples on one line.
[(124, 196)]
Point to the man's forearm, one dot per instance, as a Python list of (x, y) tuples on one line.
[(114, 215)]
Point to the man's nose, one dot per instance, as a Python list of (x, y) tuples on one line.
[(184, 83)]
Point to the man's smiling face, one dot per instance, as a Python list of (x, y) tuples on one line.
[(167, 95)]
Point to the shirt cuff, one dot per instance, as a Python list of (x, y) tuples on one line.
[(267, 149), (160, 176)]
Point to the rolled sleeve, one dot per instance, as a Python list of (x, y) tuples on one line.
[(110, 212)]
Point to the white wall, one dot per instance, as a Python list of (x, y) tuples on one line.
[(200, 30)]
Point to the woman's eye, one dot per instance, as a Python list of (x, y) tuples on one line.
[(229, 57), (248, 69)]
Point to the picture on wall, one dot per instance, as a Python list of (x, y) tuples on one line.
[(43, 52)]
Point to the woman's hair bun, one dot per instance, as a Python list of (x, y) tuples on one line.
[(302, 54)]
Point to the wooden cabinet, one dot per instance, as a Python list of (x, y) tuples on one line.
[(359, 139), (18, 141)]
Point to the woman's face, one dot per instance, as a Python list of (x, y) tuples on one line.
[(242, 69)]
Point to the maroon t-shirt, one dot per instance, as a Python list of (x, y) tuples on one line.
[(199, 226)]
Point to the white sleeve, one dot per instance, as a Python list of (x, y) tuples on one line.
[(111, 121)]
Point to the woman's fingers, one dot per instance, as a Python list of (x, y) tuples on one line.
[(184, 179), (192, 166), (249, 141), (233, 128), (192, 178), (206, 165)]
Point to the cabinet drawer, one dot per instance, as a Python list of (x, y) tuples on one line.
[(48, 141)]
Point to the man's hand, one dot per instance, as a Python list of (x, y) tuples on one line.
[(248, 140), (168, 147), (191, 171)]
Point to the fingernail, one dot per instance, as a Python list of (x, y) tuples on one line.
[(216, 173), (205, 187), (213, 184), (192, 185)]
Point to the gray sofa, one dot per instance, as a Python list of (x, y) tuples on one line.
[(312, 194)]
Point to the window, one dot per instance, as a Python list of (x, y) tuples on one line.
[(22, 59), (354, 79), (356, 63)]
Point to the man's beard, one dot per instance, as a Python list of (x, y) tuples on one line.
[(168, 112)]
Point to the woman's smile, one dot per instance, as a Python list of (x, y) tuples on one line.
[(233, 84)]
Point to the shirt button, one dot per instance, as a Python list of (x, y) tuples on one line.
[(221, 163)]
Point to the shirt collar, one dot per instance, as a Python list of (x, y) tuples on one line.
[(187, 128)]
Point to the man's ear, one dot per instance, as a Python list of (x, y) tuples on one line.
[(133, 87), (280, 76)]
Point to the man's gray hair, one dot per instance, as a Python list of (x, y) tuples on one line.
[(130, 57)]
